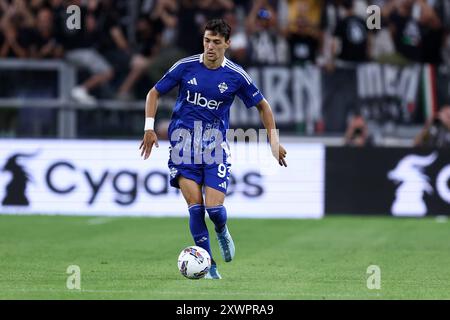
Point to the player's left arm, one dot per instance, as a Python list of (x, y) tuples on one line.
[(266, 115)]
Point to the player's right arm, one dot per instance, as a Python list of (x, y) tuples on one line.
[(150, 138), (169, 81)]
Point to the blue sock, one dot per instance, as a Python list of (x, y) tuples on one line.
[(218, 216), (198, 227)]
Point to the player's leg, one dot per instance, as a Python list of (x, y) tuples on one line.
[(214, 200), (191, 190), (192, 193), (216, 181)]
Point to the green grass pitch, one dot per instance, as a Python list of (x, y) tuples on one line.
[(136, 258)]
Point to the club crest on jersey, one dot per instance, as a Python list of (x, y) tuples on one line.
[(223, 87)]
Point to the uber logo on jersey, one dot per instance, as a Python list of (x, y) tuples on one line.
[(198, 100)]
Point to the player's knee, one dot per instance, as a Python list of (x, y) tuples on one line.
[(214, 199), (191, 203), (209, 203), (193, 199)]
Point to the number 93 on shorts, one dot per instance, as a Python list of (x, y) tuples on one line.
[(216, 175)]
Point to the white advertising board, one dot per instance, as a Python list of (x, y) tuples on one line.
[(104, 177)]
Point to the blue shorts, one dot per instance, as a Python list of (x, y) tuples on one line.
[(215, 175)]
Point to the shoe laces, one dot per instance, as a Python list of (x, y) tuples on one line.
[(224, 241), (213, 269)]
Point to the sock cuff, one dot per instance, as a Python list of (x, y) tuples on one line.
[(215, 207), (218, 215), (196, 206)]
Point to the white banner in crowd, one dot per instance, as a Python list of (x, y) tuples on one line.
[(107, 177)]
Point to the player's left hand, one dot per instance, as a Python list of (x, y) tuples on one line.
[(279, 152), (149, 140)]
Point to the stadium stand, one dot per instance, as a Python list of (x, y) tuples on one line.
[(304, 54)]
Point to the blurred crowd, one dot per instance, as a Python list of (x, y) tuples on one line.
[(123, 43)]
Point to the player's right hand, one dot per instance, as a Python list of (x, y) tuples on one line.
[(150, 138), (282, 156)]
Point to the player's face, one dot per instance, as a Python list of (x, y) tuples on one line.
[(214, 46)]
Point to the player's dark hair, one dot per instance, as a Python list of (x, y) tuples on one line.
[(219, 26)]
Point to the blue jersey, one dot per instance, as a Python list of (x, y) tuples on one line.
[(206, 94)]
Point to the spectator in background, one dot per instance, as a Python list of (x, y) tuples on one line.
[(113, 43), (21, 8), (188, 16), (238, 40), (3, 7), (164, 17), (381, 44), (266, 44), (215, 8), (44, 42), (433, 40), (190, 20), (80, 46), (59, 18), (328, 21), (351, 36), (36, 5), (357, 133), (442, 9), (410, 21), (193, 14), (308, 9), (446, 48), (148, 45), (436, 133), (304, 37), (15, 27)]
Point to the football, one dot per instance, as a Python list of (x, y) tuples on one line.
[(194, 262)]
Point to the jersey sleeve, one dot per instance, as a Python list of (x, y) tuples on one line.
[(171, 79), (249, 93)]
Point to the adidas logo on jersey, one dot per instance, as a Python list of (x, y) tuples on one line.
[(193, 81), (223, 185)]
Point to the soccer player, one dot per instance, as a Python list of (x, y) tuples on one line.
[(208, 83)]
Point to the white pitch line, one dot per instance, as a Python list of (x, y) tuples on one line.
[(99, 221), (333, 295), (441, 219)]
